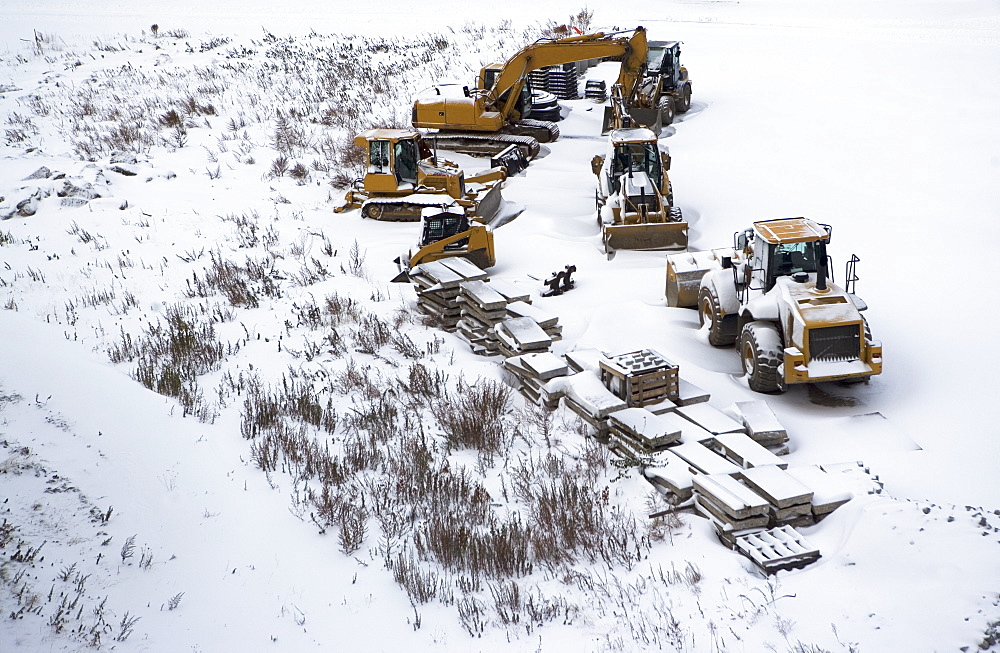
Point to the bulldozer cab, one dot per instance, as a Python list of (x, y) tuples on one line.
[(393, 155), (783, 248)]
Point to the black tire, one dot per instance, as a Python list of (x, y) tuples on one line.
[(373, 211), (683, 104), (761, 354), (709, 312), (667, 111)]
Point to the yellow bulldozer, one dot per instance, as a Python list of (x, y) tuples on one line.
[(772, 295), (491, 117), (635, 203), (447, 231), (403, 176)]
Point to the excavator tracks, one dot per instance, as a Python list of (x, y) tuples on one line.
[(480, 144)]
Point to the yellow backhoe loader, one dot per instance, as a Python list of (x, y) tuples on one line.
[(404, 176), (446, 231), (490, 117), (772, 295), (635, 204)]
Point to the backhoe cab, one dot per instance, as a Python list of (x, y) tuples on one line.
[(634, 197), (773, 296), (403, 176)]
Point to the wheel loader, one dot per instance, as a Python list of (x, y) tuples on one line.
[(653, 94), (404, 175), (772, 295), (490, 117), (447, 231), (635, 204)]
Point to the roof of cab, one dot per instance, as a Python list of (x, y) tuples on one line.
[(791, 230)]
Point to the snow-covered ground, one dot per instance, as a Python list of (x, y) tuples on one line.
[(160, 532)]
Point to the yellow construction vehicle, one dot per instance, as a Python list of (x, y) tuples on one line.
[(490, 117), (653, 94), (403, 176), (773, 296), (446, 231), (635, 201)]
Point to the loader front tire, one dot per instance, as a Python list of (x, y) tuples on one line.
[(760, 351), (709, 313)]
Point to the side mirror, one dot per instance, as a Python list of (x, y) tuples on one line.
[(465, 89), (665, 161), (596, 164)]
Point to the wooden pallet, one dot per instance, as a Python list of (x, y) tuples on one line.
[(776, 549)]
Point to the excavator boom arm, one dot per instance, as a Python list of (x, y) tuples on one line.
[(540, 54)]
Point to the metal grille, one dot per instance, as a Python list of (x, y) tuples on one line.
[(837, 343)]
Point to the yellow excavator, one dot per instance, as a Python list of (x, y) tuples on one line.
[(491, 117), (404, 176), (773, 296)]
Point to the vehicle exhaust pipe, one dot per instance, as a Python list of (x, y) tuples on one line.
[(821, 271)]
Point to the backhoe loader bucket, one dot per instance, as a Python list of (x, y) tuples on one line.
[(649, 236)]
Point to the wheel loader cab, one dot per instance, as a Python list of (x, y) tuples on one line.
[(663, 61), (782, 248)]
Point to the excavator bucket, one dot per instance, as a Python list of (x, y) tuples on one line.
[(649, 236)]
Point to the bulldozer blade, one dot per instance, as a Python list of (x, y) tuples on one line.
[(650, 236), (489, 204)]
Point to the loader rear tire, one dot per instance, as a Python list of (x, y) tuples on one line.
[(710, 313), (684, 103), (760, 351)]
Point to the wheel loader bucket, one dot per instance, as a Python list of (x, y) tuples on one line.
[(649, 118), (684, 273), (649, 236)]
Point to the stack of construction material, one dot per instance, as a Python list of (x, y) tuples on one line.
[(729, 504), (642, 432), (548, 322), (827, 493), (532, 371), (438, 285), (563, 82), (790, 500), (596, 89), (761, 424), (482, 308), (520, 335), (641, 378), (585, 395)]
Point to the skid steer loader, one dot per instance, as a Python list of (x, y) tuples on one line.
[(404, 176), (773, 296), (635, 204), (447, 231)]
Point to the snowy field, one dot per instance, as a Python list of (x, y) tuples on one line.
[(302, 486)]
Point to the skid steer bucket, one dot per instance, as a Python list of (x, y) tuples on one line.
[(489, 204), (649, 236)]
